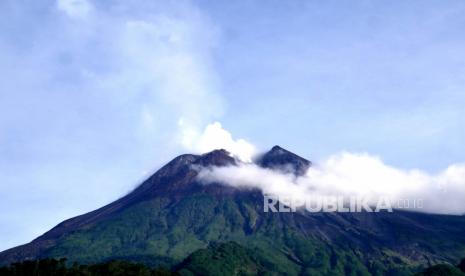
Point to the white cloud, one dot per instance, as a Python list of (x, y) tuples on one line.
[(75, 8), (349, 174), (216, 137)]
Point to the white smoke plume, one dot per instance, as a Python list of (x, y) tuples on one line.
[(216, 137), (349, 174), (91, 92), (77, 9)]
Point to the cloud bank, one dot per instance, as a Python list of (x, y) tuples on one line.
[(351, 174)]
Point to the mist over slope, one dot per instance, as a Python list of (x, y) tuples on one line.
[(348, 175)]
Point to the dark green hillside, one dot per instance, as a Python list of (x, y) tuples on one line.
[(225, 259), (163, 232)]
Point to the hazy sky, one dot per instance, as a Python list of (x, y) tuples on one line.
[(95, 95)]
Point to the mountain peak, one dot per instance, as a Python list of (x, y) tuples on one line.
[(279, 158), (219, 157), (279, 149)]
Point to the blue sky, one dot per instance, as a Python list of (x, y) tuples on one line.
[(95, 95), (386, 77)]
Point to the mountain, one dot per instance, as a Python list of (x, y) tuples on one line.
[(279, 158), (173, 220)]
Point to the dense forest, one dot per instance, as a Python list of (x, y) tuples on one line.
[(219, 259)]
